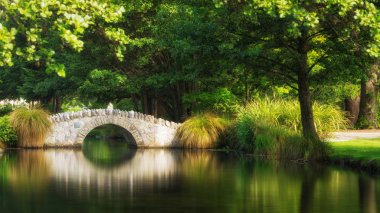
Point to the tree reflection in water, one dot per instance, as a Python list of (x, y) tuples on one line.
[(160, 180), (367, 194)]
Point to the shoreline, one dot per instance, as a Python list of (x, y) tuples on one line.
[(371, 167)]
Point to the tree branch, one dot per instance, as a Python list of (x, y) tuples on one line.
[(317, 62)]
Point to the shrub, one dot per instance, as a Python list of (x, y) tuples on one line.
[(31, 125), (278, 142), (5, 109), (245, 132), (7, 134), (201, 131), (286, 113)]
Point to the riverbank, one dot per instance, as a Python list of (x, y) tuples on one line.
[(362, 154)]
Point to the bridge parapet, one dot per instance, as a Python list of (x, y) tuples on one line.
[(67, 116)]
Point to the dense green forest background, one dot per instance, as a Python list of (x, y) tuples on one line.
[(176, 58)]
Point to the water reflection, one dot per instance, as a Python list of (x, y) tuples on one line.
[(107, 153), (367, 194), (170, 180)]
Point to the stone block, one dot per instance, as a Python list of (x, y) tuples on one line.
[(77, 124)]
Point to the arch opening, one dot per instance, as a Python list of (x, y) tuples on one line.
[(111, 133), (128, 130), (108, 145)]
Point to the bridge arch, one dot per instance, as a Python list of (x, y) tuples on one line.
[(71, 128), (100, 121)]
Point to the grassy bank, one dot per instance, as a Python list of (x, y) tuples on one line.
[(363, 154)]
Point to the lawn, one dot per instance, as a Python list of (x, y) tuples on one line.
[(363, 153)]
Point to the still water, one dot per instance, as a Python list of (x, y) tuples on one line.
[(111, 177)]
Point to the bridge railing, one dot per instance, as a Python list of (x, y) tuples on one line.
[(68, 116)]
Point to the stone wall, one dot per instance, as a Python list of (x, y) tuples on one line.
[(71, 128)]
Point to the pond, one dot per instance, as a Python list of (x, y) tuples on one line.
[(109, 176)]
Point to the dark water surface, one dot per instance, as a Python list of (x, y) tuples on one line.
[(110, 177)]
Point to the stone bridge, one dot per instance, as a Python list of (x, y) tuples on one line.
[(71, 128)]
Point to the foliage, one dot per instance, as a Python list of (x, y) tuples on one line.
[(5, 109), (31, 125), (221, 100), (286, 113), (124, 104), (37, 30), (72, 105), (334, 94), (7, 134), (201, 131), (266, 139), (245, 132), (103, 86)]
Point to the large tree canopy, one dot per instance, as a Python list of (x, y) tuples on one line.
[(38, 30), (296, 38), (172, 58)]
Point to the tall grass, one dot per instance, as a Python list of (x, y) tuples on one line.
[(287, 113), (201, 131), (276, 142), (268, 140), (273, 128), (31, 126)]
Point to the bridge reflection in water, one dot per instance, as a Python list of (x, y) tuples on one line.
[(142, 167), (147, 180)]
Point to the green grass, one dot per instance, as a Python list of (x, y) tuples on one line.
[(366, 149), (286, 113), (266, 138), (362, 154)]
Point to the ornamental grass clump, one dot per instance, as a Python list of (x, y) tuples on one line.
[(201, 131), (273, 127), (287, 114), (31, 126)]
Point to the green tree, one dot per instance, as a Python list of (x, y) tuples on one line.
[(295, 37), (39, 30)]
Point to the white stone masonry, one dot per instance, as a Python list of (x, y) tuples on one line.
[(71, 128)]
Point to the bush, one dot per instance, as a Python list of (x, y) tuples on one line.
[(7, 134), (5, 109), (245, 132), (278, 142), (31, 125), (201, 131), (287, 114)]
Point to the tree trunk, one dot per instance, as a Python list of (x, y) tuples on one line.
[(135, 103), (368, 100), (144, 102), (351, 106), (307, 118), (57, 105)]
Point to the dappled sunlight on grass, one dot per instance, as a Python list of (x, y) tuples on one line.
[(362, 149)]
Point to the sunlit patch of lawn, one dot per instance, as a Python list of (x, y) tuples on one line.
[(368, 149), (363, 153)]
